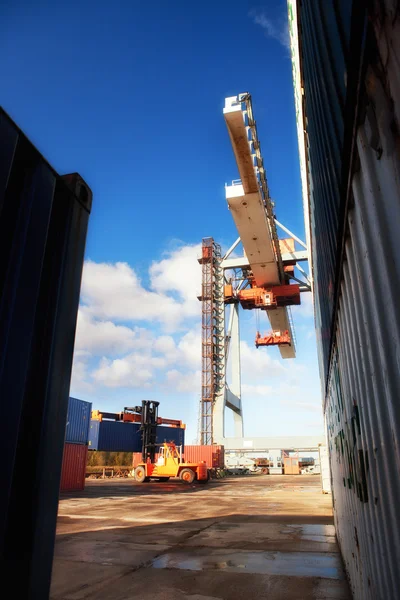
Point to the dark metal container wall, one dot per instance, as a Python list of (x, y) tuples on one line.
[(361, 349), (78, 421), (43, 225), (73, 471), (331, 35)]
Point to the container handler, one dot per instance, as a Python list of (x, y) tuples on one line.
[(169, 462)]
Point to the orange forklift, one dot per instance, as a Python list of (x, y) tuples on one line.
[(169, 462)]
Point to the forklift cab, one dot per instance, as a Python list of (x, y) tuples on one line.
[(169, 452)]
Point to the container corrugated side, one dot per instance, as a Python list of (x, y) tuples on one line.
[(78, 421), (362, 402), (73, 467), (326, 69), (213, 455), (114, 436), (171, 434)]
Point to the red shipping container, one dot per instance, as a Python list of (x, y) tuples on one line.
[(213, 455), (73, 467)]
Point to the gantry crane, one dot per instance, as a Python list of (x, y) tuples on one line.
[(261, 279)]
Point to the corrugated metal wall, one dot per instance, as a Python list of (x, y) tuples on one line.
[(116, 436), (364, 388), (213, 455), (360, 331), (78, 421), (330, 60), (171, 434), (73, 468)]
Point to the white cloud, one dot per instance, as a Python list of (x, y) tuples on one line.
[(99, 337), (134, 370), (183, 382), (80, 379), (306, 309), (307, 406), (180, 272), (276, 30), (257, 363), (256, 390), (113, 291), (189, 348), (156, 354), (165, 344)]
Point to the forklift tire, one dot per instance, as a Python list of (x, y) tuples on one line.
[(163, 478), (187, 475), (140, 475)]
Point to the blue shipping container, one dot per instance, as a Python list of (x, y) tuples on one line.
[(171, 434), (78, 420), (115, 436)]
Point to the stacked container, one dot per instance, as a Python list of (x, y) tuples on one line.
[(212, 455), (76, 445), (117, 436)]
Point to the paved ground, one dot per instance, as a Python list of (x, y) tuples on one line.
[(252, 538)]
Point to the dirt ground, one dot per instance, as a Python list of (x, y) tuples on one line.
[(253, 538)]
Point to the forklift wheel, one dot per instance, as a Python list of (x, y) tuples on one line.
[(187, 475), (140, 475)]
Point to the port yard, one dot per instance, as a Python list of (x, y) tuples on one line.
[(248, 537)]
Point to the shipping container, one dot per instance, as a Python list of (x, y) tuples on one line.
[(171, 434), (43, 226), (78, 421), (213, 455), (115, 436), (73, 467), (354, 231)]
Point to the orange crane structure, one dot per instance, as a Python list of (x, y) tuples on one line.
[(263, 278)]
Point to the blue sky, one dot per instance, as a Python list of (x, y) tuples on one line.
[(130, 95)]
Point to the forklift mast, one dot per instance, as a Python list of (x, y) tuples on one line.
[(149, 419)]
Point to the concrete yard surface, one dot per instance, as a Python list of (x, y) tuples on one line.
[(256, 537)]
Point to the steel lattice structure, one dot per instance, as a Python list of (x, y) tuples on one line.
[(213, 335)]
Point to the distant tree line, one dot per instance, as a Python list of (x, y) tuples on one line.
[(109, 459)]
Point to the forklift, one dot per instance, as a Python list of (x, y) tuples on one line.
[(169, 462)]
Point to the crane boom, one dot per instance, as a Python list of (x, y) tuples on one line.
[(252, 210)]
